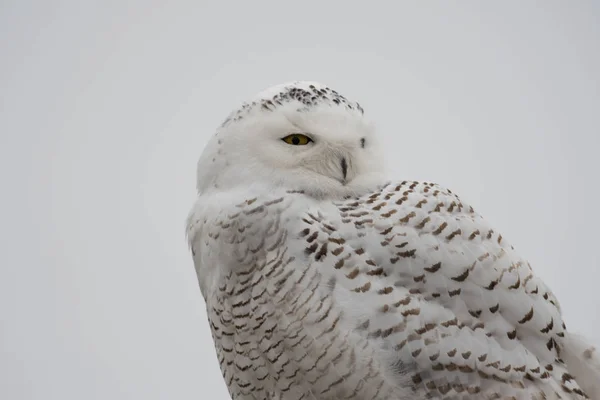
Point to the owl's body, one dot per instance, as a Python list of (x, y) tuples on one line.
[(373, 290)]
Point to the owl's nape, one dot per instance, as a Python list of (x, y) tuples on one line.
[(399, 291)]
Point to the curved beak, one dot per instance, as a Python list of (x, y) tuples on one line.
[(344, 164)]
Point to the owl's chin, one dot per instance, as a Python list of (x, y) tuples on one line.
[(333, 189)]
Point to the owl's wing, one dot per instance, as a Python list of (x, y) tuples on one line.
[(308, 297), (278, 331), (229, 235), (425, 277), (230, 231)]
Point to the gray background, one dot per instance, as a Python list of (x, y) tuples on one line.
[(106, 106)]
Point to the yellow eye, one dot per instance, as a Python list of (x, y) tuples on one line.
[(297, 139)]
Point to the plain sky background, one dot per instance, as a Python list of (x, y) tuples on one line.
[(105, 107)]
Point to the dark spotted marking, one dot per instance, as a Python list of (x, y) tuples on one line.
[(527, 317), (406, 218), (322, 252), (353, 274), (440, 228), (309, 98), (376, 272), (386, 290), (474, 234), (453, 234), (337, 251), (407, 254), (364, 288), (413, 311), (492, 285), (517, 284), (462, 277), (312, 237), (434, 268), (312, 248), (421, 224), (549, 326)]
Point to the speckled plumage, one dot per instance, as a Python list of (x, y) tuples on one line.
[(378, 290), (306, 96)]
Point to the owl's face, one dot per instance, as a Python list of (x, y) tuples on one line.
[(300, 136)]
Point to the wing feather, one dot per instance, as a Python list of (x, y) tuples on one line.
[(405, 288)]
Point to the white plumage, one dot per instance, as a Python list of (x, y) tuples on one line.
[(322, 280)]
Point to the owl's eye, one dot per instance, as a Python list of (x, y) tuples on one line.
[(297, 139)]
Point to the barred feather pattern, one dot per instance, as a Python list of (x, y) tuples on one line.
[(404, 293)]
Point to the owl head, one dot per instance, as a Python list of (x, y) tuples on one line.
[(300, 136)]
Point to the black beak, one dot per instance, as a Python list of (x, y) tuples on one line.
[(344, 167)]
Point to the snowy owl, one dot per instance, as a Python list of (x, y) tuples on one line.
[(324, 280)]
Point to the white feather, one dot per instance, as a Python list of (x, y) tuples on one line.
[(322, 281)]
